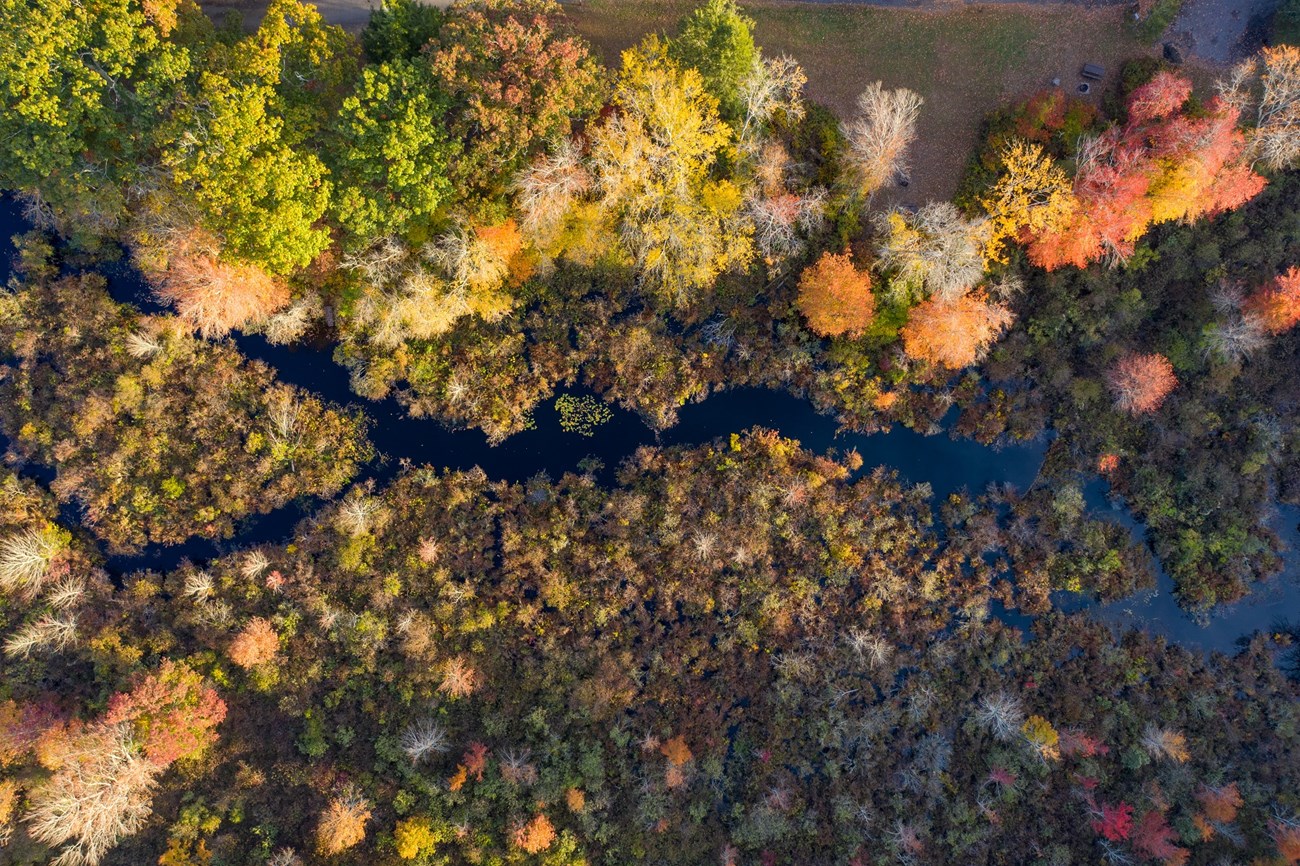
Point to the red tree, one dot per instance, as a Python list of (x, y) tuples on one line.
[(1277, 306), (1162, 164), (1141, 383), (1114, 822), (1155, 838), (173, 711)]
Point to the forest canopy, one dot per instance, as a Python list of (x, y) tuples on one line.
[(737, 651)]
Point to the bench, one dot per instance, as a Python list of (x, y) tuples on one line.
[(1093, 71)]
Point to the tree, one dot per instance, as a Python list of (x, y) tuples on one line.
[(1032, 196), (772, 88), (954, 334), (516, 76), (390, 157), (343, 824), (100, 792), (1114, 823), (1220, 803), (400, 29), (213, 295), (25, 558), (232, 155), (82, 84), (1141, 382), (835, 297), (1155, 838), (935, 248), (653, 160), (1041, 736), (257, 643), (879, 135), (417, 837), (1165, 743), (171, 712), (1276, 307), (1167, 162), (547, 190), (717, 40), (1267, 86), (535, 836)]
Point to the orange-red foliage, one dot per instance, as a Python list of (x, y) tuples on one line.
[(21, 728), (475, 759), (1277, 306), (173, 712), (535, 836), (1107, 463), (1161, 165), (1220, 804), (255, 644), (957, 333), (212, 295), (676, 751), (1141, 383), (1286, 836), (835, 297), (1155, 838)]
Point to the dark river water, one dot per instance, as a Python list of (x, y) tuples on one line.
[(944, 463)]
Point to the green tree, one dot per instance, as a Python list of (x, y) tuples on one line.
[(399, 30), (230, 148), (391, 156), (81, 84), (718, 41)]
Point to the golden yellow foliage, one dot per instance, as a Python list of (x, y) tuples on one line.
[(1032, 196)]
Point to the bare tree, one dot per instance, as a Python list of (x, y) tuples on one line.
[(879, 136), (1268, 86), (547, 189), (101, 792), (25, 560), (935, 247), (773, 86)]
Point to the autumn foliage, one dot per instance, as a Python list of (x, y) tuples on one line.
[(535, 836), (1141, 382), (213, 295), (954, 334), (174, 714), (1155, 838), (256, 643), (1114, 823), (835, 297), (1164, 163), (1276, 307), (343, 824)]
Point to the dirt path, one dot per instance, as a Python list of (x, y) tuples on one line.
[(1222, 31)]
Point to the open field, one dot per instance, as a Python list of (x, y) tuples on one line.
[(963, 60)]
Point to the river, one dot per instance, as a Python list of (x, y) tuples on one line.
[(945, 463)]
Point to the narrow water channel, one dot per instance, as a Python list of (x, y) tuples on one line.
[(944, 463)]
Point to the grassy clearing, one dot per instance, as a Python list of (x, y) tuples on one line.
[(964, 61)]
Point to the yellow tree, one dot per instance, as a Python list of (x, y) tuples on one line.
[(653, 162), (1032, 195)]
